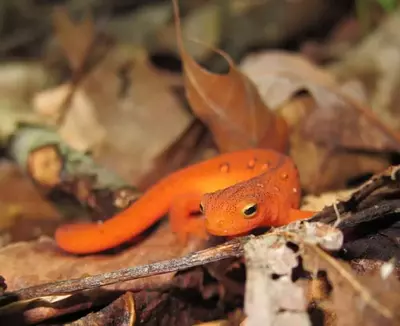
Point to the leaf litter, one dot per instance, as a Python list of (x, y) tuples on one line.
[(230, 105), (333, 133), (24, 212), (111, 119), (159, 294), (281, 261)]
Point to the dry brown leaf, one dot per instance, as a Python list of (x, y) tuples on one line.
[(355, 300), (81, 128), (337, 120), (122, 310), (322, 169), (122, 112), (351, 299), (230, 105), (19, 200), (27, 264), (322, 124), (158, 294), (74, 38), (34, 268)]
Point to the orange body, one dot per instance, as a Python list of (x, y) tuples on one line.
[(238, 192)]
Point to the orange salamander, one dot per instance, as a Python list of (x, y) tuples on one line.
[(237, 192)]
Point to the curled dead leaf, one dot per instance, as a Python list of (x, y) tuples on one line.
[(122, 309), (230, 104)]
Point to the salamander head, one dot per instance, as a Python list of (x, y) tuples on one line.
[(235, 210)]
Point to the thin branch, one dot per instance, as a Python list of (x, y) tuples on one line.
[(230, 249)]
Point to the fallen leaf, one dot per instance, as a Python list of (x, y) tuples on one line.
[(122, 309), (188, 149), (272, 300), (195, 297), (281, 260), (230, 105), (337, 120), (160, 292), (21, 273), (33, 269), (81, 128), (121, 111), (355, 300), (326, 124), (20, 200)]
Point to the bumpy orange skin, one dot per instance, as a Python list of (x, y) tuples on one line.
[(224, 185)]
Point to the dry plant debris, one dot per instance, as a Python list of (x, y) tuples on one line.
[(340, 267), (291, 258), (230, 105), (333, 132), (112, 120)]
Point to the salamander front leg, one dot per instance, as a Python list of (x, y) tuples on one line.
[(286, 215), (296, 215), (182, 222)]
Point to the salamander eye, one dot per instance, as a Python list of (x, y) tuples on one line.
[(249, 210), (201, 208)]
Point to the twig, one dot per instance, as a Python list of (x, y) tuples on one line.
[(232, 248), (362, 201), (384, 208), (78, 76)]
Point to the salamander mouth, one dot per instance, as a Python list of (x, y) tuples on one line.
[(222, 228)]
